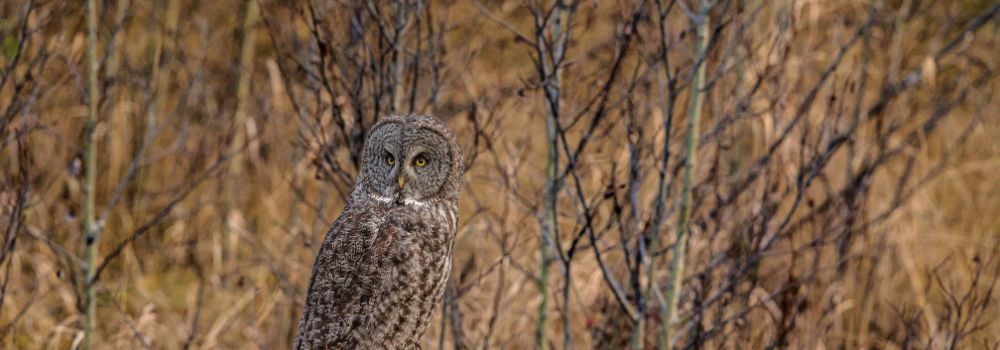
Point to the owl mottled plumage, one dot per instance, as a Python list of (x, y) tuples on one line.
[(383, 266)]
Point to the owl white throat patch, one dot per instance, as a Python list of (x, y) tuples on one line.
[(415, 203), (407, 201), (381, 198)]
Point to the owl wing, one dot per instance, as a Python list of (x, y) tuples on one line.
[(352, 272)]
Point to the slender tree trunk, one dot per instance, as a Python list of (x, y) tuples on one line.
[(691, 147), (549, 62), (668, 99), (90, 225)]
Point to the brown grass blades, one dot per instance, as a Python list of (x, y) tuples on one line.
[(839, 190)]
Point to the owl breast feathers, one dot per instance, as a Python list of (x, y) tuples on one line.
[(382, 268)]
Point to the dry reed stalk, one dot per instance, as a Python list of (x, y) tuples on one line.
[(240, 128)]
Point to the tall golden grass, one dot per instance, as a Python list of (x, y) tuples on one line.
[(845, 192)]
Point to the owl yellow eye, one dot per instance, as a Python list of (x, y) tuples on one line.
[(420, 162), (390, 160)]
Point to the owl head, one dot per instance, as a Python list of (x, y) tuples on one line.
[(410, 159)]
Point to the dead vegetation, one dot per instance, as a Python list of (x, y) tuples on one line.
[(828, 168)]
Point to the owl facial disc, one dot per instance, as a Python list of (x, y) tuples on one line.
[(408, 163)]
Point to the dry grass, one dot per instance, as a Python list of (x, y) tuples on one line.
[(837, 201)]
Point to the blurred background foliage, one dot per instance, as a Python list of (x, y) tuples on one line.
[(844, 194)]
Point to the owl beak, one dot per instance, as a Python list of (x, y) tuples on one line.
[(401, 181)]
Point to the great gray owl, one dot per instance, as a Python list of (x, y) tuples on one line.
[(382, 268)]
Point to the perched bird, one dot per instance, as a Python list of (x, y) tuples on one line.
[(383, 266)]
